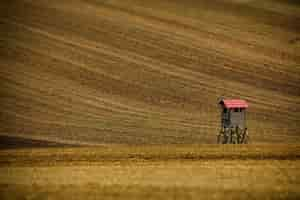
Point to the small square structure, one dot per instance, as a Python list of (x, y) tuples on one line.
[(233, 121), (233, 113)]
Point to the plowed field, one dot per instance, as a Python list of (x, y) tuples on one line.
[(141, 81), (147, 72)]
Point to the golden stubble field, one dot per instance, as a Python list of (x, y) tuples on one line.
[(152, 172)]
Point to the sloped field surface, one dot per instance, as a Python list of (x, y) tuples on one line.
[(136, 72)]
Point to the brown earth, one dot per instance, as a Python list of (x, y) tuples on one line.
[(147, 72), (10, 142)]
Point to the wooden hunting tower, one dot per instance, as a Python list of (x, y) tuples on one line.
[(233, 121)]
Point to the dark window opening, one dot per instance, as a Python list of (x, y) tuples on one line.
[(236, 110), (225, 110)]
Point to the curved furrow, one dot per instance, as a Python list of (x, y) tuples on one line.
[(97, 108), (91, 45)]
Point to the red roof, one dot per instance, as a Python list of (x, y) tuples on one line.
[(234, 103)]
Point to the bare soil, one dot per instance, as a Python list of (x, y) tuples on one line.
[(147, 72)]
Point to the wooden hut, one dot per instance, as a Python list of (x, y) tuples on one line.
[(233, 121)]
